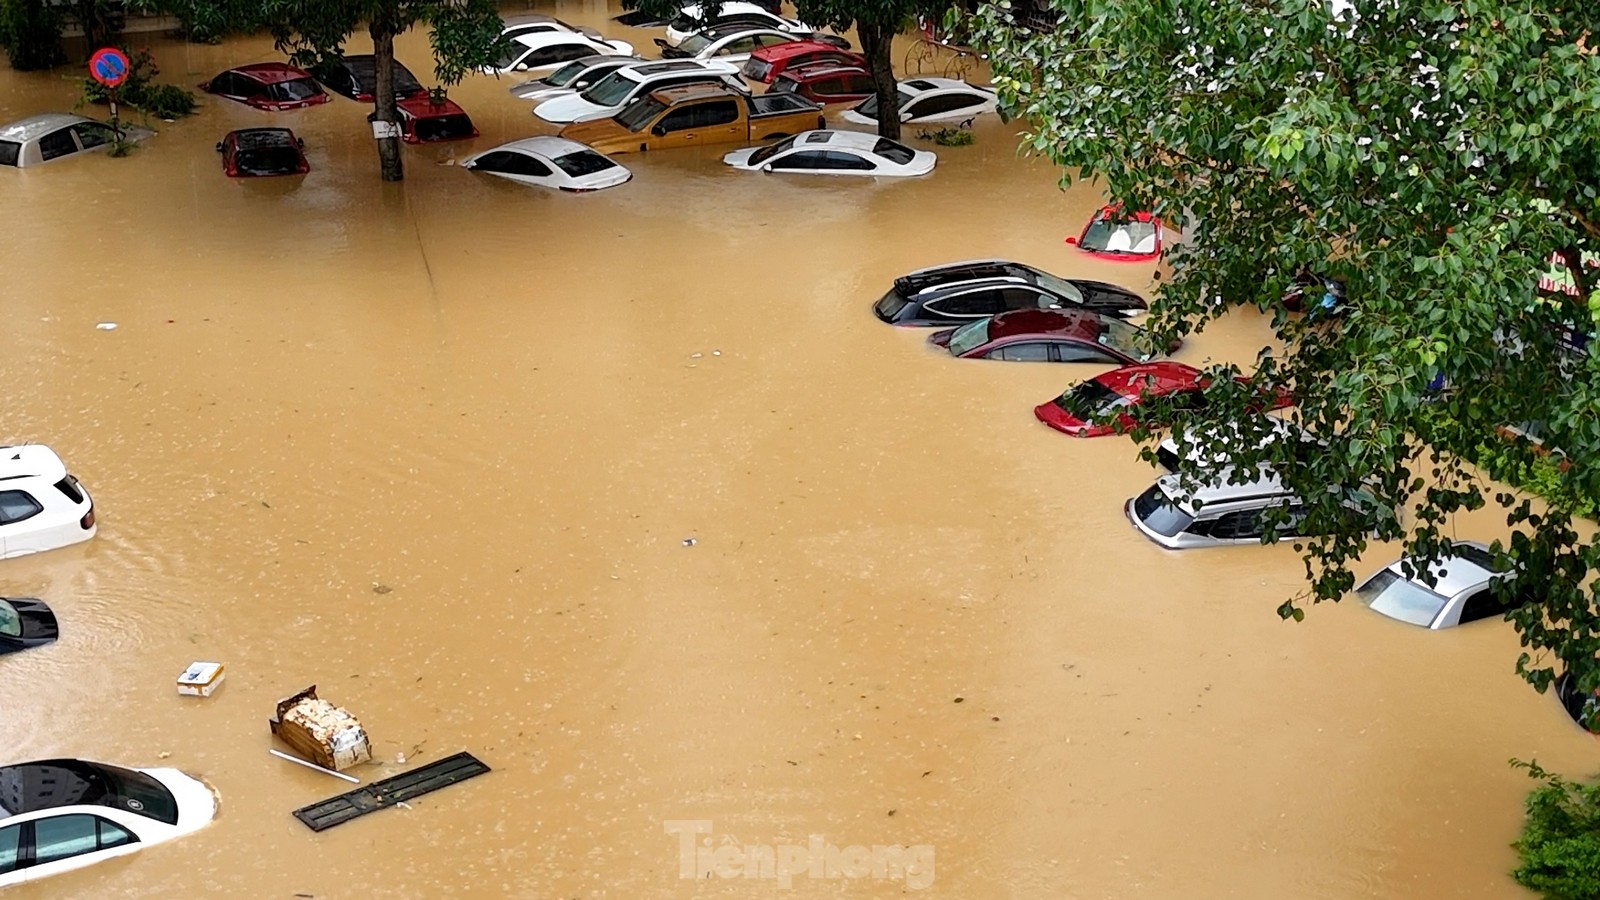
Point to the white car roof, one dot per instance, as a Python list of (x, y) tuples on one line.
[(921, 85), (544, 145), (731, 7), (541, 39), (1464, 566), (655, 68), (854, 140), (1263, 484), (30, 460), (33, 127)]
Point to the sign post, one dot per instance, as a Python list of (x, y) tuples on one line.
[(109, 66)]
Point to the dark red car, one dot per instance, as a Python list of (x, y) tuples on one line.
[(270, 86), (1047, 335), (1122, 237), (1121, 388), (825, 82), (425, 121), (254, 152), (767, 63)]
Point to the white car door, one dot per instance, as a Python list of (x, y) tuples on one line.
[(19, 523), (74, 840)]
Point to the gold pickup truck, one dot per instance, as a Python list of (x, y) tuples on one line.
[(697, 114)]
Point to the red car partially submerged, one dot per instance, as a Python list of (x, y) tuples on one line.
[(424, 121), (767, 63), (255, 152), (1048, 335), (825, 82), (1074, 411), (1122, 237), (269, 86)]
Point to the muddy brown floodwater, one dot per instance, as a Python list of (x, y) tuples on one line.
[(911, 615)]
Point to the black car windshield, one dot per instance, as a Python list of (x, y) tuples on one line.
[(1159, 514), (1061, 288), (768, 152), (268, 160), (694, 43), (869, 106), (583, 162), (443, 128), (55, 783), (1091, 399), (10, 621), (890, 305), (969, 337), (610, 90), (9, 152), (566, 74), (638, 115), (290, 91), (893, 152)]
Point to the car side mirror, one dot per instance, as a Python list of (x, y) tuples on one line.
[(1073, 241), (765, 168), (659, 131), (581, 84), (219, 146), (520, 67), (301, 142)]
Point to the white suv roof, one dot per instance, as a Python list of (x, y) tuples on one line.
[(30, 461)]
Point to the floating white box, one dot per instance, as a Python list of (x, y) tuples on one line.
[(200, 679)]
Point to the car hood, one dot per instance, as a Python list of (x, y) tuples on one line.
[(197, 802), (740, 158)]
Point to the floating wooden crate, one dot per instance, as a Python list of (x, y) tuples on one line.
[(319, 731)]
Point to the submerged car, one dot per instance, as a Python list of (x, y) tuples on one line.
[(726, 43), (42, 507), (57, 815), (39, 139), (25, 622), (767, 63), (1047, 335), (571, 78), (515, 26), (1080, 410), (269, 86), (1215, 514), (424, 120), (1462, 589), (548, 50), (1577, 703), (825, 82), (827, 152), (931, 100), (607, 97), (1120, 237), (356, 77), (957, 293), (251, 152), (550, 162), (693, 18), (1305, 445)]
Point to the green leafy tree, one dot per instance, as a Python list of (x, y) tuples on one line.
[(465, 35), (30, 33), (1431, 154), (876, 23)]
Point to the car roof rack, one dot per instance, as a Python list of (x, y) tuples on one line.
[(325, 814)]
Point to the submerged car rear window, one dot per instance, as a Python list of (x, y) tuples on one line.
[(584, 162), (69, 487), (1159, 514), (10, 151), (893, 152), (268, 159), (757, 69), (1090, 399), (889, 305), (290, 91), (443, 128)]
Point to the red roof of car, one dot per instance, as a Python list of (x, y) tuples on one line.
[(424, 108), (796, 48), (1061, 323), (1153, 378), (815, 70), (271, 72)]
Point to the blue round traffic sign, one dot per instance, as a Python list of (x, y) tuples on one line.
[(109, 66)]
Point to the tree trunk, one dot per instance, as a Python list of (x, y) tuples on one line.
[(877, 44), (383, 97)]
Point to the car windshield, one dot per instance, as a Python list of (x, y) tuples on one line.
[(889, 305), (268, 159), (1091, 399), (512, 52), (1397, 597), (290, 91), (1123, 338), (1105, 235), (969, 337), (694, 43), (9, 152), (566, 74), (70, 782), (1057, 286), (583, 162), (757, 69), (638, 115), (768, 152), (610, 90), (10, 621), (443, 128), (893, 152), (1159, 514), (869, 106)]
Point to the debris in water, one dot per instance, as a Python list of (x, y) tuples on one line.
[(689, 542), (716, 353), (381, 589), (400, 759), (959, 699), (201, 679), (696, 355), (107, 326)]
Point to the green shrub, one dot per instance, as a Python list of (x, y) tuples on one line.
[(167, 101), (30, 33), (163, 101), (1560, 843)]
